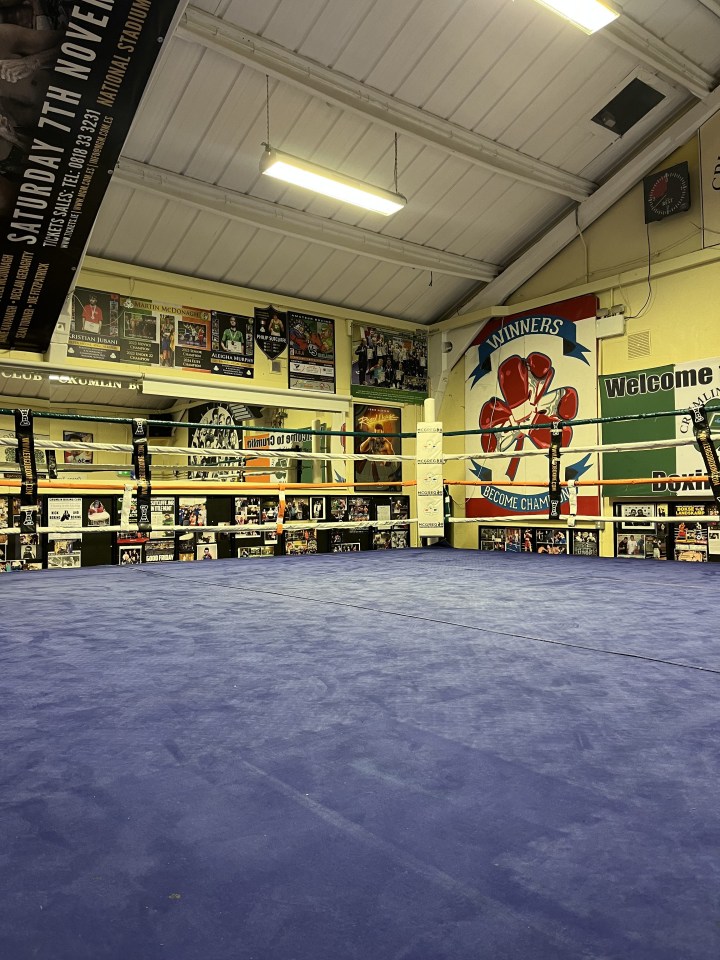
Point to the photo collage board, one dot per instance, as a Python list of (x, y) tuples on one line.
[(549, 540), (389, 364), (23, 552), (121, 329), (690, 540)]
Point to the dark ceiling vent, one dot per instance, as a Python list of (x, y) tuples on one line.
[(626, 109)]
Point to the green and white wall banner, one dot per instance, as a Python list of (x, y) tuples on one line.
[(654, 390)]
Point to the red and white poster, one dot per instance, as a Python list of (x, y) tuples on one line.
[(524, 372)]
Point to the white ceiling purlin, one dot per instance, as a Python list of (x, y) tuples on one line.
[(270, 58), (297, 223), (648, 48)]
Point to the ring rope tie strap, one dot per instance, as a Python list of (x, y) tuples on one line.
[(555, 497), (572, 501), (141, 466), (701, 429), (281, 510), (28, 469)]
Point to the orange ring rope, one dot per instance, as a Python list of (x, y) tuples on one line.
[(199, 486), (578, 483)]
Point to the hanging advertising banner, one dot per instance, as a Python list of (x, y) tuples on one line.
[(679, 386), (269, 448), (527, 372), (312, 353), (389, 365), (710, 180), (67, 109), (271, 331), (376, 422)]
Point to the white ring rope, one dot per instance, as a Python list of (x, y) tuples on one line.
[(225, 454), (597, 448), (60, 533), (534, 519), (222, 453)]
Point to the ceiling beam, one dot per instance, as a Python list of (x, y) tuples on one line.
[(270, 58), (566, 230), (648, 48), (712, 5), (296, 223)]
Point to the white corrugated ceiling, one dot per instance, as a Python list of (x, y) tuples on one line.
[(492, 101)]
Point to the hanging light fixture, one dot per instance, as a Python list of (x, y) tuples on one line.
[(589, 15), (302, 173), (311, 176)]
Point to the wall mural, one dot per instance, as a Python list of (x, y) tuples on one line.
[(524, 372)]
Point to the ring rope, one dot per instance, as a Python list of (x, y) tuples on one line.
[(533, 519), (597, 448), (620, 418), (218, 528), (218, 453), (558, 425), (612, 482), (127, 421), (203, 486)]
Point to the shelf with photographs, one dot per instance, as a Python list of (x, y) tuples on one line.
[(63, 549), (690, 540), (553, 541)]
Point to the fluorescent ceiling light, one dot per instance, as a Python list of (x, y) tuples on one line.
[(301, 173), (589, 15)]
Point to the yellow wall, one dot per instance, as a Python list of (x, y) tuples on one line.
[(611, 260), (142, 283)]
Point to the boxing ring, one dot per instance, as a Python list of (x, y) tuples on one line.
[(423, 754), (426, 754)]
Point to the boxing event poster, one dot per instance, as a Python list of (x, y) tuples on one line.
[(79, 71), (374, 423), (311, 363), (65, 512), (162, 518), (389, 365), (522, 372), (678, 386)]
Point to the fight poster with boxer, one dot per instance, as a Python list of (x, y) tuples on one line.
[(372, 424), (526, 372)]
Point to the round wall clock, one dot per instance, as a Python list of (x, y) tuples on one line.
[(666, 192)]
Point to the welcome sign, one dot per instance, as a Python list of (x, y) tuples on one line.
[(527, 373), (679, 386)]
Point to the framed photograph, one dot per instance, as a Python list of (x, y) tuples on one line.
[(640, 511), (631, 545), (317, 508), (77, 456)]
